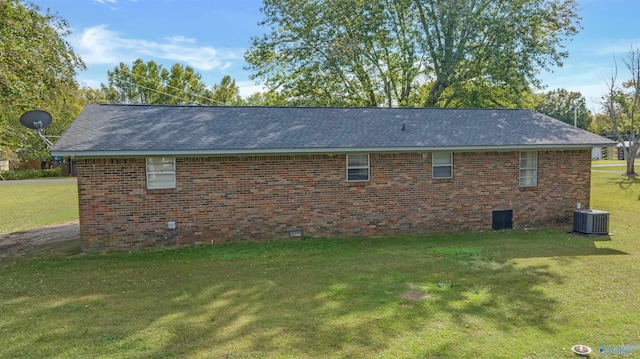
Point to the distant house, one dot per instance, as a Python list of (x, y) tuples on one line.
[(621, 147), (172, 175)]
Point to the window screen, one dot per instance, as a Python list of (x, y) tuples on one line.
[(357, 168), (528, 169), (161, 172), (442, 164)]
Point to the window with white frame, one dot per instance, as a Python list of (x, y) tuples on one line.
[(442, 163), (357, 168), (161, 172), (528, 169)]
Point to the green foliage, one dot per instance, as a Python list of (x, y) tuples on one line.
[(36, 62), (31, 174), (409, 52), (182, 85), (37, 71), (483, 94), (227, 92), (560, 104), (337, 52), (52, 172), (601, 124), (149, 83), (268, 98)]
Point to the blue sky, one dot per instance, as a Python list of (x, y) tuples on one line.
[(212, 36)]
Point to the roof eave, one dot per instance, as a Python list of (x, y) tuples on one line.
[(336, 150)]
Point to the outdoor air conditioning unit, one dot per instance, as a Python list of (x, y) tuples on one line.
[(591, 221)]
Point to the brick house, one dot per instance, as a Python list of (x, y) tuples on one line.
[(172, 175)]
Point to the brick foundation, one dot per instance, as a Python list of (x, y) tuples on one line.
[(220, 199)]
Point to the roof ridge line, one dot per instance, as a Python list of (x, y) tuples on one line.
[(318, 107)]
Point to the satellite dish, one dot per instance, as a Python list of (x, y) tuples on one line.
[(36, 119)]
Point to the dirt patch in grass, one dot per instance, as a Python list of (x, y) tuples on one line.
[(414, 295), (57, 238)]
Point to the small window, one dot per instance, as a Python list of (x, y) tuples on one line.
[(161, 172), (442, 164), (357, 168), (528, 169)]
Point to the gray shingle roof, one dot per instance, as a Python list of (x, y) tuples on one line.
[(113, 130)]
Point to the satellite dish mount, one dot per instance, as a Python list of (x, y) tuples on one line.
[(37, 120)]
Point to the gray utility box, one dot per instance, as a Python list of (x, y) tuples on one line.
[(591, 221)]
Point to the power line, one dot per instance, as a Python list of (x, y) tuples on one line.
[(160, 92), (157, 82)]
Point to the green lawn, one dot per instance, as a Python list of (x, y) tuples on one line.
[(510, 294), (27, 206), (621, 169), (608, 162), (613, 162), (614, 165)]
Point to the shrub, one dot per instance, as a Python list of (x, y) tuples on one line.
[(31, 173), (52, 172)]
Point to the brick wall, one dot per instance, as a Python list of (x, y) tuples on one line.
[(219, 199)]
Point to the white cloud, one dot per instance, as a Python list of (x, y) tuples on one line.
[(88, 82), (96, 45), (617, 47), (105, 1), (180, 38), (248, 88), (99, 45)]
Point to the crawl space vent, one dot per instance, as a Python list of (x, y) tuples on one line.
[(502, 220)]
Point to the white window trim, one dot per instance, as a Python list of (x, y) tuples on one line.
[(368, 167), (433, 165), (525, 169), (150, 183)]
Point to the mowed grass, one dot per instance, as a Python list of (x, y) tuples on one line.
[(614, 165), (28, 206), (509, 294), (608, 162), (622, 169)]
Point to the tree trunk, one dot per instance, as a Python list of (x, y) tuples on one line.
[(631, 157), (630, 166), (434, 94)]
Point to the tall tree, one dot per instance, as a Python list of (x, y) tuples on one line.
[(500, 43), (138, 84), (37, 71), (601, 125), (150, 83), (227, 92), (400, 52), (183, 84), (338, 52), (622, 105), (564, 105), (267, 98)]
